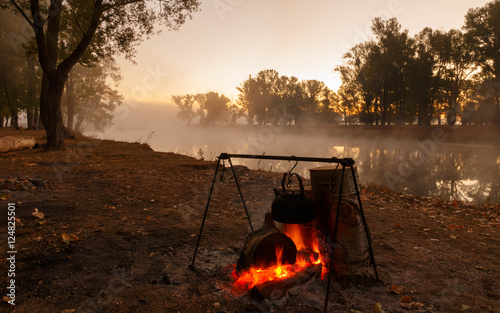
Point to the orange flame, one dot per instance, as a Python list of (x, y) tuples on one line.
[(308, 253)]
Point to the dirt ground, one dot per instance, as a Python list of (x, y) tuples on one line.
[(120, 224)]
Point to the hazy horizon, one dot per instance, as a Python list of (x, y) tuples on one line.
[(229, 40), (382, 160)]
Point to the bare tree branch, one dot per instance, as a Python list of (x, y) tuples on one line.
[(21, 11), (79, 26), (66, 65), (117, 5)]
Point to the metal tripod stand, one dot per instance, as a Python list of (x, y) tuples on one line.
[(344, 162)]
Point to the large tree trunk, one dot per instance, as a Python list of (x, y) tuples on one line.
[(70, 102), (55, 75), (14, 119), (37, 119), (30, 108), (385, 105), (50, 109), (79, 122), (12, 108)]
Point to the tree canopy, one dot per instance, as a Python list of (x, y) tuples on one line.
[(64, 31)]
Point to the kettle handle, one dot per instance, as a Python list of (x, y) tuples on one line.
[(301, 185)]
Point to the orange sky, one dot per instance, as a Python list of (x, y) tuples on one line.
[(231, 39)]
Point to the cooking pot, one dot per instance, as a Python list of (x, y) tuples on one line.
[(290, 207)]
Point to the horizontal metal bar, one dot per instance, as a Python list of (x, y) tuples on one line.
[(343, 161)]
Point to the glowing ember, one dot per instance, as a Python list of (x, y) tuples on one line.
[(308, 253), (279, 269)]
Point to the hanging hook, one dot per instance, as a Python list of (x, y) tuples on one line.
[(296, 162), (290, 176)]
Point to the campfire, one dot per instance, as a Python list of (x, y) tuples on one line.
[(321, 232), (302, 260), (288, 249)]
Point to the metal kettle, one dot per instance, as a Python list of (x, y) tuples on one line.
[(290, 207)]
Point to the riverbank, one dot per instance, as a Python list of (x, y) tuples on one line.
[(120, 223)]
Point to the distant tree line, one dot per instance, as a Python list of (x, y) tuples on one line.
[(263, 99), (393, 79), (209, 108), (398, 79)]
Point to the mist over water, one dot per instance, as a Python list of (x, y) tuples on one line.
[(429, 167)]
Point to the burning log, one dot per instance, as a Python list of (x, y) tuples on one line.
[(10, 143), (351, 254), (276, 289), (261, 246)]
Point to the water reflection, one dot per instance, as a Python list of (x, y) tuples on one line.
[(427, 168)]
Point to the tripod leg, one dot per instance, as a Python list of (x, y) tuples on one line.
[(365, 224), (334, 238), (206, 211), (241, 194)]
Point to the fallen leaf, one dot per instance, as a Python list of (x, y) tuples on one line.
[(406, 299), (42, 222), (67, 238), (6, 299), (378, 308), (396, 289), (412, 305), (5, 196), (38, 214)]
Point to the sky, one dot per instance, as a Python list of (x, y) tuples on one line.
[(228, 40)]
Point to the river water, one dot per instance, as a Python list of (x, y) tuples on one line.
[(431, 167)]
